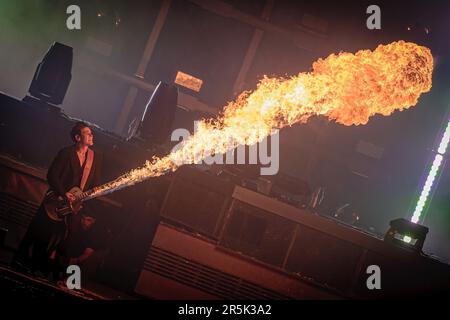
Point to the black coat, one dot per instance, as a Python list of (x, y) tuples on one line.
[(65, 171)]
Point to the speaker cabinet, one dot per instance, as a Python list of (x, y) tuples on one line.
[(257, 233), (197, 200), (326, 259)]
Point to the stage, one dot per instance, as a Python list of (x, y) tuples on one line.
[(224, 150), (300, 255)]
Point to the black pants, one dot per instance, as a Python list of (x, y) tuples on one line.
[(41, 239)]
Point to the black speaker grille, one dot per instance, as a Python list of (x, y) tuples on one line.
[(324, 258), (16, 211), (197, 200), (205, 278), (258, 234)]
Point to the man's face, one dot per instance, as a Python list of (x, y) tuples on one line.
[(87, 222), (86, 138)]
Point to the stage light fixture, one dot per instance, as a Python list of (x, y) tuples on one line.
[(407, 234), (53, 75)]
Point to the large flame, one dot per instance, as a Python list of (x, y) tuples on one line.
[(348, 88)]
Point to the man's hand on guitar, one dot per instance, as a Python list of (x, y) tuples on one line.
[(70, 196)]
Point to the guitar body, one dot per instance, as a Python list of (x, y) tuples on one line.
[(57, 209)]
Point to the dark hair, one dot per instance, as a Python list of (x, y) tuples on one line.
[(88, 210), (76, 130), (90, 214)]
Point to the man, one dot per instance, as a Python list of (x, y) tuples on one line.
[(79, 244), (65, 172)]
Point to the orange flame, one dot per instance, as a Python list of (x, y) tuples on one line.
[(348, 88)]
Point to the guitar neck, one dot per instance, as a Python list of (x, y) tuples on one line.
[(85, 195), (100, 191), (89, 195), (113, 186)]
